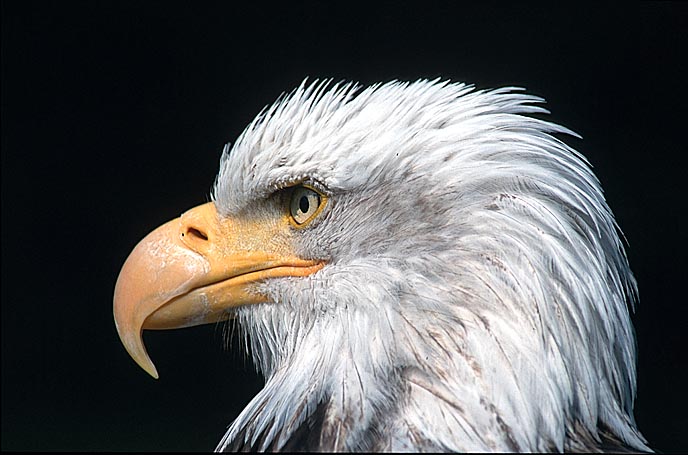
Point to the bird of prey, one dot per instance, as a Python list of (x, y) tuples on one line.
[(415, 266)]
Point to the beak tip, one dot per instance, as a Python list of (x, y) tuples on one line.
[(136, 349), (153, 372), (146, 364)]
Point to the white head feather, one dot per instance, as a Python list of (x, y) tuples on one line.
[(476, 291)]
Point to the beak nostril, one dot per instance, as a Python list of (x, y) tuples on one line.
[(193, 232)]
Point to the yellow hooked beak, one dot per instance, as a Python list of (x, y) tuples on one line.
[(193, 270)]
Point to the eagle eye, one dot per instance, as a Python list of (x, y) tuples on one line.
[(304, 205)]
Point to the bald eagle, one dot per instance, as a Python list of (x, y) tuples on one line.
[(415, 266)]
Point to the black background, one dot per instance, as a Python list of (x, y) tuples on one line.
[(114, 115)]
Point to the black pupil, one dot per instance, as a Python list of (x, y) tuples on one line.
[(304, 204)]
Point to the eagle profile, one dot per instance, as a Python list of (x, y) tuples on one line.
[(415, 267)]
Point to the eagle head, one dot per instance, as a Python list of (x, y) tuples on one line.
[(415, 266)]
